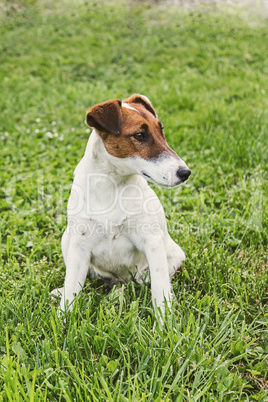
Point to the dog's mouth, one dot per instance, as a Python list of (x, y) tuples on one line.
[(146, 175), (163, 183)]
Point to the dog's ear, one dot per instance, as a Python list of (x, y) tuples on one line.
[(143, 100), (106, 117)]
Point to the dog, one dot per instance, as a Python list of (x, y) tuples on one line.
[(116, 227)]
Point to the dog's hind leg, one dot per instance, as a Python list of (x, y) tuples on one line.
[(77, 265), (175, 257), (65, 240)]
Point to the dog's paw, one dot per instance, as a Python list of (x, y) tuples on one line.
[(56, 293), (179, 269), (159, 323)]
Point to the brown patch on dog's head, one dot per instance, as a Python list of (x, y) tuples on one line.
[(129, 128)]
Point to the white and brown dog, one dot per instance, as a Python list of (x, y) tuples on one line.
[(116, 224)]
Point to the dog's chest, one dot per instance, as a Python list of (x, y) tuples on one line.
[(111, 248)]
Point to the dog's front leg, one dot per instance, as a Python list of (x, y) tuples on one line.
[(160, 284), (77, 264)]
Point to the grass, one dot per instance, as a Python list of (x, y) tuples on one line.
[(205, 71)]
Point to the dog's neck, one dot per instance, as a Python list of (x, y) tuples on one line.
[(105, 176), (99, 161)]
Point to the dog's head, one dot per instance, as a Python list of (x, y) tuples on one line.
[(131, 132)]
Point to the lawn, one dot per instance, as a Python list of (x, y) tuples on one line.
[(205, 71)]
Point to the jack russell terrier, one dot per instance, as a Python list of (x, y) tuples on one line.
[(117, 228)]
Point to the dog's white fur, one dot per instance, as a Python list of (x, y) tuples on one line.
[(116, 224)]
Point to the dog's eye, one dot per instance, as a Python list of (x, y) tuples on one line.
[(141, 137)]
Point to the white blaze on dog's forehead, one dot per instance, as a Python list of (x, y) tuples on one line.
[(146, 99), (127, 106)]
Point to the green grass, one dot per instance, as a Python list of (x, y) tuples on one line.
[(206, 73)]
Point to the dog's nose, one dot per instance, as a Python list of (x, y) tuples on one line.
[(183, 173)]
